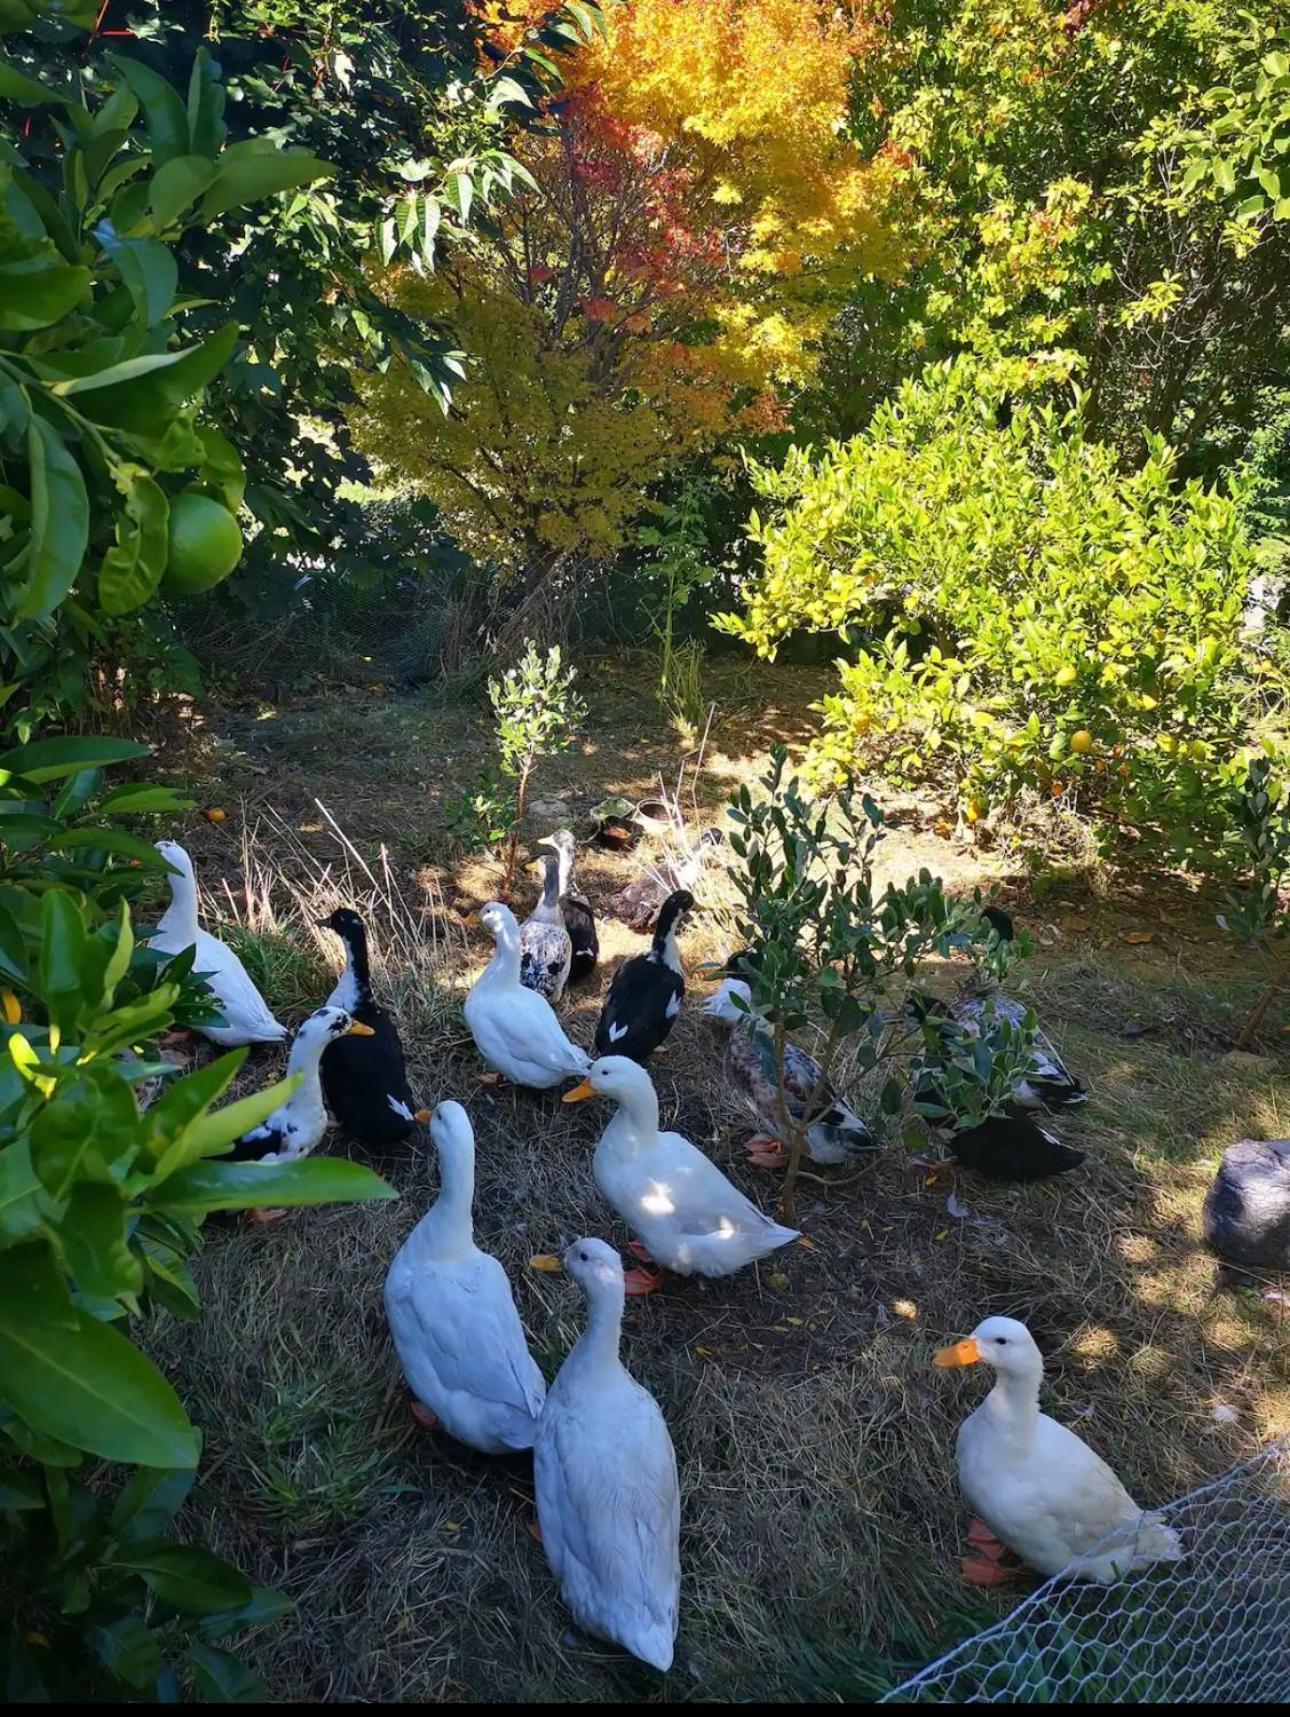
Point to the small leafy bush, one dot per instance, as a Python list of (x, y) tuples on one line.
[(1254, 909), (536, 711), (102, 1200), (1033, 616), (823, 943)]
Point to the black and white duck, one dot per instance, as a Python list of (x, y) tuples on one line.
[(546, 948), (364, 1078), (295, 1129), (579, 919), (1050, 1084), (1008, 1146), (646, 994), (835, 1135)]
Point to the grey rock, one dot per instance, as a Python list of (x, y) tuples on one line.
[(1247, 1210)]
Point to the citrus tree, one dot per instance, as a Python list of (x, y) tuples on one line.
[(1025, 613)]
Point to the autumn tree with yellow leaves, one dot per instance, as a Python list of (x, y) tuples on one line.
[(695, 218)]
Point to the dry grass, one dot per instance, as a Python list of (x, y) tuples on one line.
[(821, 1525)]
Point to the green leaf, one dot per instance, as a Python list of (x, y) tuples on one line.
[(266, 1605), (150, 272), (47, 759), (76, 793), (18, 1491), (62, 946), (128, 1649), (93, 1233), (20, 1205), (116, 373), (131, 799), (33, 1293), (176, 186), (222, 1679), (92, 1388), (17, 86), (151, 1500), (210, 1186), (206, 100), (181, 1103), (162, 108), (60, 522), (245, 178), (118, 841), (39, 291), (140, 403), (187, 1576), (133, 566), (212, 1134)]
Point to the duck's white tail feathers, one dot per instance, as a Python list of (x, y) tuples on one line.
[(1140, 1545)]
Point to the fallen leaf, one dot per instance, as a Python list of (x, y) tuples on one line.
[(804, 1240), (215, 815), (796, 1322), (1139, 936), (452, 1526), (704, 1352), (943, 1234), (779, 1280), (904, 1309)]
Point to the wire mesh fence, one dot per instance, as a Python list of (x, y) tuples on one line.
[(1214, 1626)]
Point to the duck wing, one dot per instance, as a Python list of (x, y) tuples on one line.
[(641, 1008), (460, 1342), (609, 1506)]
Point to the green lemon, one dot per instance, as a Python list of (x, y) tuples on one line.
[(205, 544), (1067, 676)]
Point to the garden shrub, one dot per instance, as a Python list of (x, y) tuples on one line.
[(1034, 615)]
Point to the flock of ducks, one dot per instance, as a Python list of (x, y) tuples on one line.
[(608, 1495)]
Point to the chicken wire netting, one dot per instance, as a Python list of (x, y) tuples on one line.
[(1214, 1626)]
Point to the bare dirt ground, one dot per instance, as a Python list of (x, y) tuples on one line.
[(821, 1522)]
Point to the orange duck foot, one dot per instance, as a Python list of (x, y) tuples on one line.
[(534, 1530), (265, 1215), (424, 1417), (491, 1079), (639, 1249), (992, 1563), (763, 1152), (638, 1282)]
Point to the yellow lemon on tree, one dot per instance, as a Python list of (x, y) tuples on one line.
[(1067, 676), (1081, 742), (205, 544)]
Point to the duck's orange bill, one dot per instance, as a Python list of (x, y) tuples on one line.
[(358, 1029), (422, 1117), (547, 1262), (962, 1353), (580, 1093)]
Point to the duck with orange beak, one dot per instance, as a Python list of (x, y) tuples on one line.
[(691, 1220), (296, 1127), (1039, 1489)]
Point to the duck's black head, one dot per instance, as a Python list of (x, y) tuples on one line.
[(346, 923), (999, 922), (672, 913)]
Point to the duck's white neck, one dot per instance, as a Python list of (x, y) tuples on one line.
[(635, 1125), (596, 1349), (566, 868), (1012, 1407), (504, 967), (447, 1229), (306, 1054), (181, 914), (354, 986)]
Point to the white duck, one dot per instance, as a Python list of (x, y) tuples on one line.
[(1036, 1485), (608, 1496), (454, 1323), (687, 1213), (246, 1014), (296, 1127), (516, 1030)]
